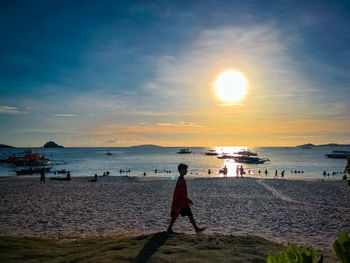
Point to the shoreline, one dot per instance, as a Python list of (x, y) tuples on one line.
[(176, 175)]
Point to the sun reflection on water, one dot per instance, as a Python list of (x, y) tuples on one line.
[(231, 165)]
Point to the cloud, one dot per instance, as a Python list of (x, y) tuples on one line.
[(180, 124), (112, 141), (260, 52), (297, 136), (9, 110), (65, 115)]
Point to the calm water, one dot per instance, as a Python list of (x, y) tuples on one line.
[(88, 161)]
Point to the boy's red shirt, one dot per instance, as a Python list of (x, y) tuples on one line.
[(180, 199)]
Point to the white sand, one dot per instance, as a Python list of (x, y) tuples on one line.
[(303, 212)]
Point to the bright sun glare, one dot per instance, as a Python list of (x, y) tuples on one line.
[(231, 86)]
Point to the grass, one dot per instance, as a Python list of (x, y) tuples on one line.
[(158, 247)]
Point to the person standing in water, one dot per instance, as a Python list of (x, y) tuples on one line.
[(225, 171), (181, 202)]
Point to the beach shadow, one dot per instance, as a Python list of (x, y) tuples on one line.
[(152, 246)]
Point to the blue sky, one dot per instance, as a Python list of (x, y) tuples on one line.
[(119, 73)]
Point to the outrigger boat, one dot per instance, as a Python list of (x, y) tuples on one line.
[(28, 159), (211, 152), (244, 157), (246, 153), (249, 159), (338, 154), (184, 151), (32, 171)]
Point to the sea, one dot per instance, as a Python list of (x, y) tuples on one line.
[(153, 161)]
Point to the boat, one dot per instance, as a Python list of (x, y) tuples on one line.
[(184, 151), (338, 154), (246, 153), (211, 152), (32, 171), (227, 156), (28, 158), (63, 171), (250, 159), (67, 178)]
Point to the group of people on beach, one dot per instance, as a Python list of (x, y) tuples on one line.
[(333, 173), (282, 174)]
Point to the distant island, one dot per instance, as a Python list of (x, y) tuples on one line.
[(309, 145), (52, 144), (6, 146), (146, 146)]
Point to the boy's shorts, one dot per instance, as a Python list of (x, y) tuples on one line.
[(186, 211)]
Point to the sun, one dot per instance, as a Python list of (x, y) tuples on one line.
[(231, 86)]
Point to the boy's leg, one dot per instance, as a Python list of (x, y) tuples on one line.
[(172, 221), (196, 228)]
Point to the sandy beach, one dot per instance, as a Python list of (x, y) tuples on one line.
[(302, 212)]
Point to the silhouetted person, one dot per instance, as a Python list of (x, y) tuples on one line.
[(282, 174), (266, 172), (241, 171), (225, 171), (181, 202), (276, 175), (209, 172), (42, 175), (94, 179)]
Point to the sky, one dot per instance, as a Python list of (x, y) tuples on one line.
[(121, 73)]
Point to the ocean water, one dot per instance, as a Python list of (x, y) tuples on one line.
[(90, 161)]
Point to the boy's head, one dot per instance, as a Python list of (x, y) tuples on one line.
[(182, 168)]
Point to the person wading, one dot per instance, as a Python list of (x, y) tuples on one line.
[(181, 202)]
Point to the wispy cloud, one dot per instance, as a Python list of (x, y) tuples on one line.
[(65, 115), (180, 124), (9, 110), (297, 136), (261, 52), (112, 141)]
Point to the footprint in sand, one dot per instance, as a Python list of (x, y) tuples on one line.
[(283, 197)]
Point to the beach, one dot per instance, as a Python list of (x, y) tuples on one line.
[(309, 212)]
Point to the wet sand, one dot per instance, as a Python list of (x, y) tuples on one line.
[(302, 212)]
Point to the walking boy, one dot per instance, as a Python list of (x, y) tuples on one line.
[(181, 203)]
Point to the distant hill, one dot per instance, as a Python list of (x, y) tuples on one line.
[(52, 144), (6, 146), (146, 146), (324, 145), (307, 145)]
